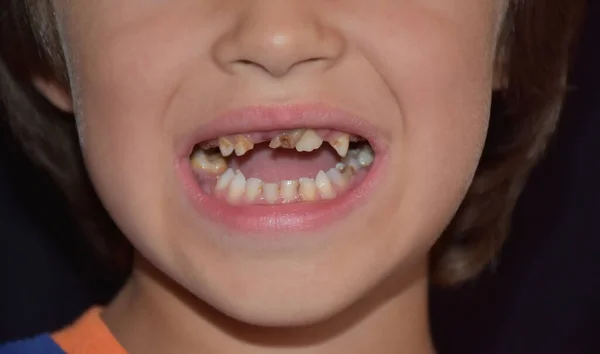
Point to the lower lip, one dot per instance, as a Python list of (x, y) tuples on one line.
[(276, 219)]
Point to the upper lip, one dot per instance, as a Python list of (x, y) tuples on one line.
[(280, 117)]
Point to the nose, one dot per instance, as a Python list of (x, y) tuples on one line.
[(278, 37)]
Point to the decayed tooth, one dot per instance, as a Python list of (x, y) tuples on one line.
[(237, 188), (243, 145), (353, 165), (310, 141), (337, 178), (271, 192), (225, 146), (286, 140), (324, 185), (253, 189), (365, 157), (225, 179), (341, 143), (213, 163), (308, 189), (289, 190)]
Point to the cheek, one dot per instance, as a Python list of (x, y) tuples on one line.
[(439, 72)]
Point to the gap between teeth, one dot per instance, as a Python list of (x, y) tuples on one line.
[(236, 189)]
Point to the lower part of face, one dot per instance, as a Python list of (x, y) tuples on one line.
[(165, 90)]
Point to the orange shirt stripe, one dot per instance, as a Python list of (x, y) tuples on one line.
[(88, 335)]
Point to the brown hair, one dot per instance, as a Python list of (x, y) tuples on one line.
[(534, 50)]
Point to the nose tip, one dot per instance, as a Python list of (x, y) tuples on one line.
[(277, 40)]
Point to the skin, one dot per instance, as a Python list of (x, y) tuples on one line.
[(145, 73)]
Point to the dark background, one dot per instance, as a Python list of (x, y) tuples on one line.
[(543, 296)]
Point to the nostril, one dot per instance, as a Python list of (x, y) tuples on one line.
[(277, 68)]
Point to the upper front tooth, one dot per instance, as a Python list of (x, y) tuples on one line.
[(225, 146), (286, 140), (243, 145), (310, 141), (341, 143)]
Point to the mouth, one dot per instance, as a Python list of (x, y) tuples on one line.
[(292, 167)]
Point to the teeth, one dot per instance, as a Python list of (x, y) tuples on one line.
[(225, 146), (337, 178), (289, 190), (237, 188), (225, 179), (253, 189), (243, 145), (365, 157), (324, 185), (310, 141), (308, 189), (213, 163), (271, 192), (286, 140), (341, 144)]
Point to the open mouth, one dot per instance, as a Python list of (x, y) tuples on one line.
[(301, 165)]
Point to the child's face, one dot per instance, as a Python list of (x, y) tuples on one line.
[(151, 79)]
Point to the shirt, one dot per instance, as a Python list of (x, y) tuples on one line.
[(88, 335)]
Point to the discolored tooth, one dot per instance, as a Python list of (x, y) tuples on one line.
[(224, 180), (212, 163), (286, 140), (324, 185), (225, 146), (243, 145), (271, 192), (310, 141), (308, 189), (237, 188), (289, 190), (336, 177), (365, 157), (340, 166), (353, 165), (253, 189), (341, 143)]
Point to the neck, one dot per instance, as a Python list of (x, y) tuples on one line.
[(154, 315)]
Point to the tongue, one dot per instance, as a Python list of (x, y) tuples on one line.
[(274, 165)]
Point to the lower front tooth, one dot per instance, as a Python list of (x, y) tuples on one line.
[(271, 192), (308, 189), (337, 178), (225, 179), (289, 190), (237, 188), (324, 185), (253, 189)]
